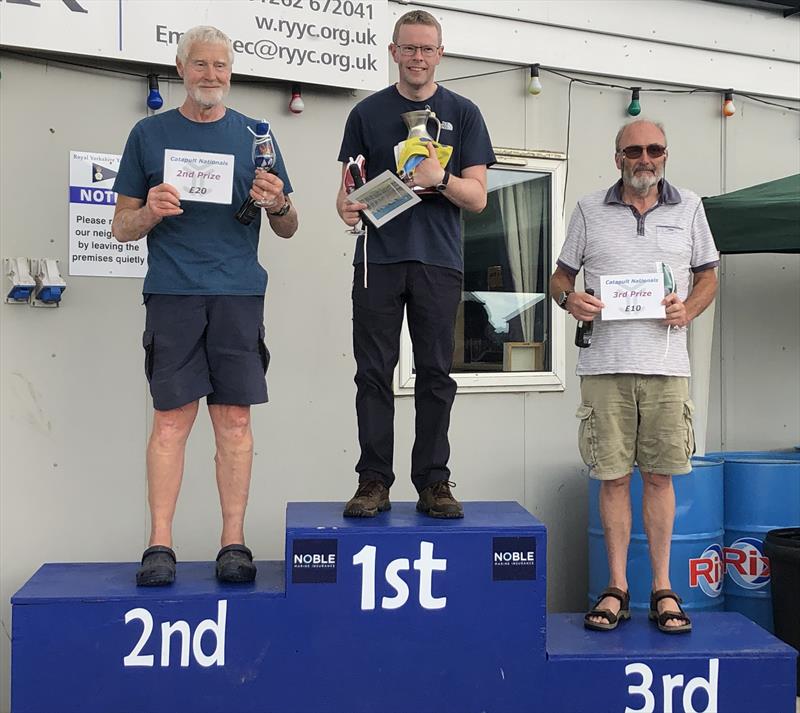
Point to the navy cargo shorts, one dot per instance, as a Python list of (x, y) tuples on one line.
[(205, 345)]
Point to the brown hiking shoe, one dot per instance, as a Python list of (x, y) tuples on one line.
[(371, 498), (437, 501)]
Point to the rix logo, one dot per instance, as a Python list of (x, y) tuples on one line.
[(706, 571), (71, 4), (746, 564)]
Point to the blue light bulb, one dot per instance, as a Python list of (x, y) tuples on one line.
[(154, 100)]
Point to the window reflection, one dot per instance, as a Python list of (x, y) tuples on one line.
[(503, 320)]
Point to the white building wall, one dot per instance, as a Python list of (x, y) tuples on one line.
[(75, 413)]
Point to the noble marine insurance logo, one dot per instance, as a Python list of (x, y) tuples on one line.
[(513, 558), (314, 561)]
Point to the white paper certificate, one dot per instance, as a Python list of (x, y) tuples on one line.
[(198, 176), (633, 296), (386, 196)]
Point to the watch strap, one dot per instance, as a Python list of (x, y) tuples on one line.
[(283, 210)]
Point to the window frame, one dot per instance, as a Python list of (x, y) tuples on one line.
[(554, 163)]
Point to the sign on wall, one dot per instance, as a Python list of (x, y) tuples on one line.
[(338, 43), (92, 249)]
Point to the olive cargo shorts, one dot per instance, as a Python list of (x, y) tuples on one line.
[(635, 418)]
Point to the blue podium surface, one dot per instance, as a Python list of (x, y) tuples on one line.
[(396, 614), (726, 664), (116, 581), (490, 515)]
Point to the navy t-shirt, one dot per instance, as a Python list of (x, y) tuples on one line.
[(430, 231), (205, 250)]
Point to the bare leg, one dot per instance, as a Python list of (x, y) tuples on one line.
[(234, 461), (165, 456), (615, 514), (658, 509)]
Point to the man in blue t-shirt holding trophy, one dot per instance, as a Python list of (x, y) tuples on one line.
[(182, 177), (413, 263)]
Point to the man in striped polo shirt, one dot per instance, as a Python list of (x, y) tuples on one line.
[(635, 375)]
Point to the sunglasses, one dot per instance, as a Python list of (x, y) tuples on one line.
[(653, 151)]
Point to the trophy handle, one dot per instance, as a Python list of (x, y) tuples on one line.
[(438, 126)]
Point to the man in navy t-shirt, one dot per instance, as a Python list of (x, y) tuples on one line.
[(414, 262), (204, 289)]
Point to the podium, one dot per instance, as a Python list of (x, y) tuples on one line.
[(396, 614)]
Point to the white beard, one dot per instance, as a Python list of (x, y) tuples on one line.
[(208, 98), (642, 181)]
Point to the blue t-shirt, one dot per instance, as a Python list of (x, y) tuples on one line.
[(205, 250), (430, 231)]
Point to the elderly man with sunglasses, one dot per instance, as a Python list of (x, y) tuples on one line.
[(635, 375)]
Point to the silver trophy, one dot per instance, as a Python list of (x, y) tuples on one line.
[(417, 124)]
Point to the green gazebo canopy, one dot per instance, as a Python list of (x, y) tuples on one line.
[(759, 219)]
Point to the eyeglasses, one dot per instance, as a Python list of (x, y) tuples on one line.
[(411, 50), (653, 151)]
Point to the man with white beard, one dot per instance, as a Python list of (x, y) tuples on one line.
[(635, 374), (204, 290)]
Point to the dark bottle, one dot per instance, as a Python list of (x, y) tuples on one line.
[(583, 332)]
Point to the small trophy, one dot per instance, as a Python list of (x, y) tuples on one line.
[(414, 150), (263, 154), (354, 178)]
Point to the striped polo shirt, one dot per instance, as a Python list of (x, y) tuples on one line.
[(608, 237)]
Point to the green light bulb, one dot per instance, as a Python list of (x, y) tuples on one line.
[(634, 108)]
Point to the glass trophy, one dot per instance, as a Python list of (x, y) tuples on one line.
[(263, 155)]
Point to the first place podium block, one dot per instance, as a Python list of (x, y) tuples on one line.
[(396, 614)]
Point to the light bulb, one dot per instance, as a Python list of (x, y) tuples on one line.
[(154, 100), (535, 85), (728, 107), (634, 108), (296, 104)]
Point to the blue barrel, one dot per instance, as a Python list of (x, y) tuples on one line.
[(786, 454), (696, 564), (762, 493)]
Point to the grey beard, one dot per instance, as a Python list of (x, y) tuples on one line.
[(209, 103), (641, 185)]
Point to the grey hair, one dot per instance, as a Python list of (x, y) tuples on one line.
[(205, 34), (640, 120)]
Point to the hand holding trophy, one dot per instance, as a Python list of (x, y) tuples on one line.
[(354, 178), (416, 148), (263, 154)]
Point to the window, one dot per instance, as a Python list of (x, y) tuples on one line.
[(509, 336)]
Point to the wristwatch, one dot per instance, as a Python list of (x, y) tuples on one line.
[(442, 185), (563, 297), (283, 210)]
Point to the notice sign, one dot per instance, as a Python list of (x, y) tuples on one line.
[(633, 296), (92, 249)]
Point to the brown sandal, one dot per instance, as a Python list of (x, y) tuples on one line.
[(612, 619), (662, 618)]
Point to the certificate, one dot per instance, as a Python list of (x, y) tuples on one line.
[(386, 196), (635, 296), (199, 176)]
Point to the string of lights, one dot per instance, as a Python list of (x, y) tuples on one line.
[(535, 86), (154, 99)]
